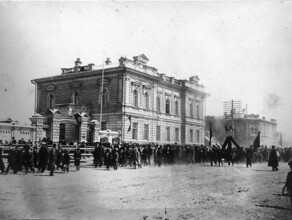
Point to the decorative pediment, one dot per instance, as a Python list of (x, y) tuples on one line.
[(141, 58), (167, 94), (147, 86), (136, 83), (50, 87)]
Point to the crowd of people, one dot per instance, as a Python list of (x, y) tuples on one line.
[(52, 157), (38, 159), (49, 156)]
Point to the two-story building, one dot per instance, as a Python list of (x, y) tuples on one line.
[(128, 101)]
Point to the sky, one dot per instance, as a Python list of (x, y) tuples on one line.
[(239, 50)]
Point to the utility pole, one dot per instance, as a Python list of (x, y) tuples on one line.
[(232, 117), (101, 100)]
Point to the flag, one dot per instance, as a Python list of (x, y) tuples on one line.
[(257, 141), (130, 119), (211, 134)]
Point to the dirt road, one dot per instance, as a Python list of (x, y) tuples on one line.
[(177, 192)]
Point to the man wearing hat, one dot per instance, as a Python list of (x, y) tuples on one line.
[(43, 157), (77, 158), (12, 161), (288, 183), (273, 159)]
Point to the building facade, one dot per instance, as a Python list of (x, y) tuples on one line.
[(245, 129), (128, 102), (10, 130)]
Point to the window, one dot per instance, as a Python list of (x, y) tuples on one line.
[(77, 132), (105, 97), (191, 135), (146, 132), (103, 125), (135, 131), (135, 98), (158, 133), (176, 107), (198, 136), (158, 103), (62, 132), (198, 110), (177, 134), (75, 98), (167, 106), (168, 133), (146, 101), (51, 101), (191, 110)]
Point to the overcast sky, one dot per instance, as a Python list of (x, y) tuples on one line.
[(240, 51)]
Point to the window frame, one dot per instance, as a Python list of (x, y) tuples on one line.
[(167, 106), (135, 131), (191, 135), (158, 104), (168, 134), (146, 131), (135, 98)]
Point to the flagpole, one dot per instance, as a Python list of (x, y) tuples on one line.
[(101, 100)]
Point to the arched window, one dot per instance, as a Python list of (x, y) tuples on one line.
[(158, 104), (135, 98), (75, 98), (191, 110), (167, 106), (176, 107), (105, 97), (146, 101), (51, 101)]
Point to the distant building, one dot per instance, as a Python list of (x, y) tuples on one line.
[(10, 129), (138, 104), (245, 129)]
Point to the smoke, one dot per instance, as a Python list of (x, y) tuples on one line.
[(272, 102)]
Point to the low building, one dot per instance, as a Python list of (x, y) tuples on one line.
[(10, 130), (245, 129), (128, 101)]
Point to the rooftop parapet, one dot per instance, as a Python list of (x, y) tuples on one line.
[(77, 68)]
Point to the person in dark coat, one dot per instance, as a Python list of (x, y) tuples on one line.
[(288, 183), (213, 155), (115, 158), (137, 158), (2, 166), (149, 154), (66, 161), (43, 157), (19, 157), (108, 158), (28, 160), (52, 160), (35, 157), (159, 156), (77, 158), (273, 159), (248, 156), (12, 162), (59, 153)]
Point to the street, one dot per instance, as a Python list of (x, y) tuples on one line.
[(170, 192)]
